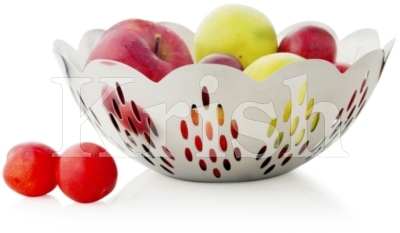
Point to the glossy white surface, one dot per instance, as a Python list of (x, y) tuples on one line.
[(354, 194)]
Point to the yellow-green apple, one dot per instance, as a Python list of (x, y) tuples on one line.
[(150, 48), (310, 42), (342, 67), (238, 30), (222, 59), (263, 67)]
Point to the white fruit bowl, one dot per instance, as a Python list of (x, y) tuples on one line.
[(273, 130)]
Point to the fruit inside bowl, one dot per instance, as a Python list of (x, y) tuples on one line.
[(217, 123)]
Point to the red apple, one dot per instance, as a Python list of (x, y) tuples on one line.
[(310, 42), (126, 112), (222, 59), (342, 67), (150, 48)]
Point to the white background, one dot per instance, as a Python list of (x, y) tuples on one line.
[(355, 194)]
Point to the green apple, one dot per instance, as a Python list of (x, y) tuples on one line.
[(238, 30), (263, 67)]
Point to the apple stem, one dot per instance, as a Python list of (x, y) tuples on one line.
[(158, 37)]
